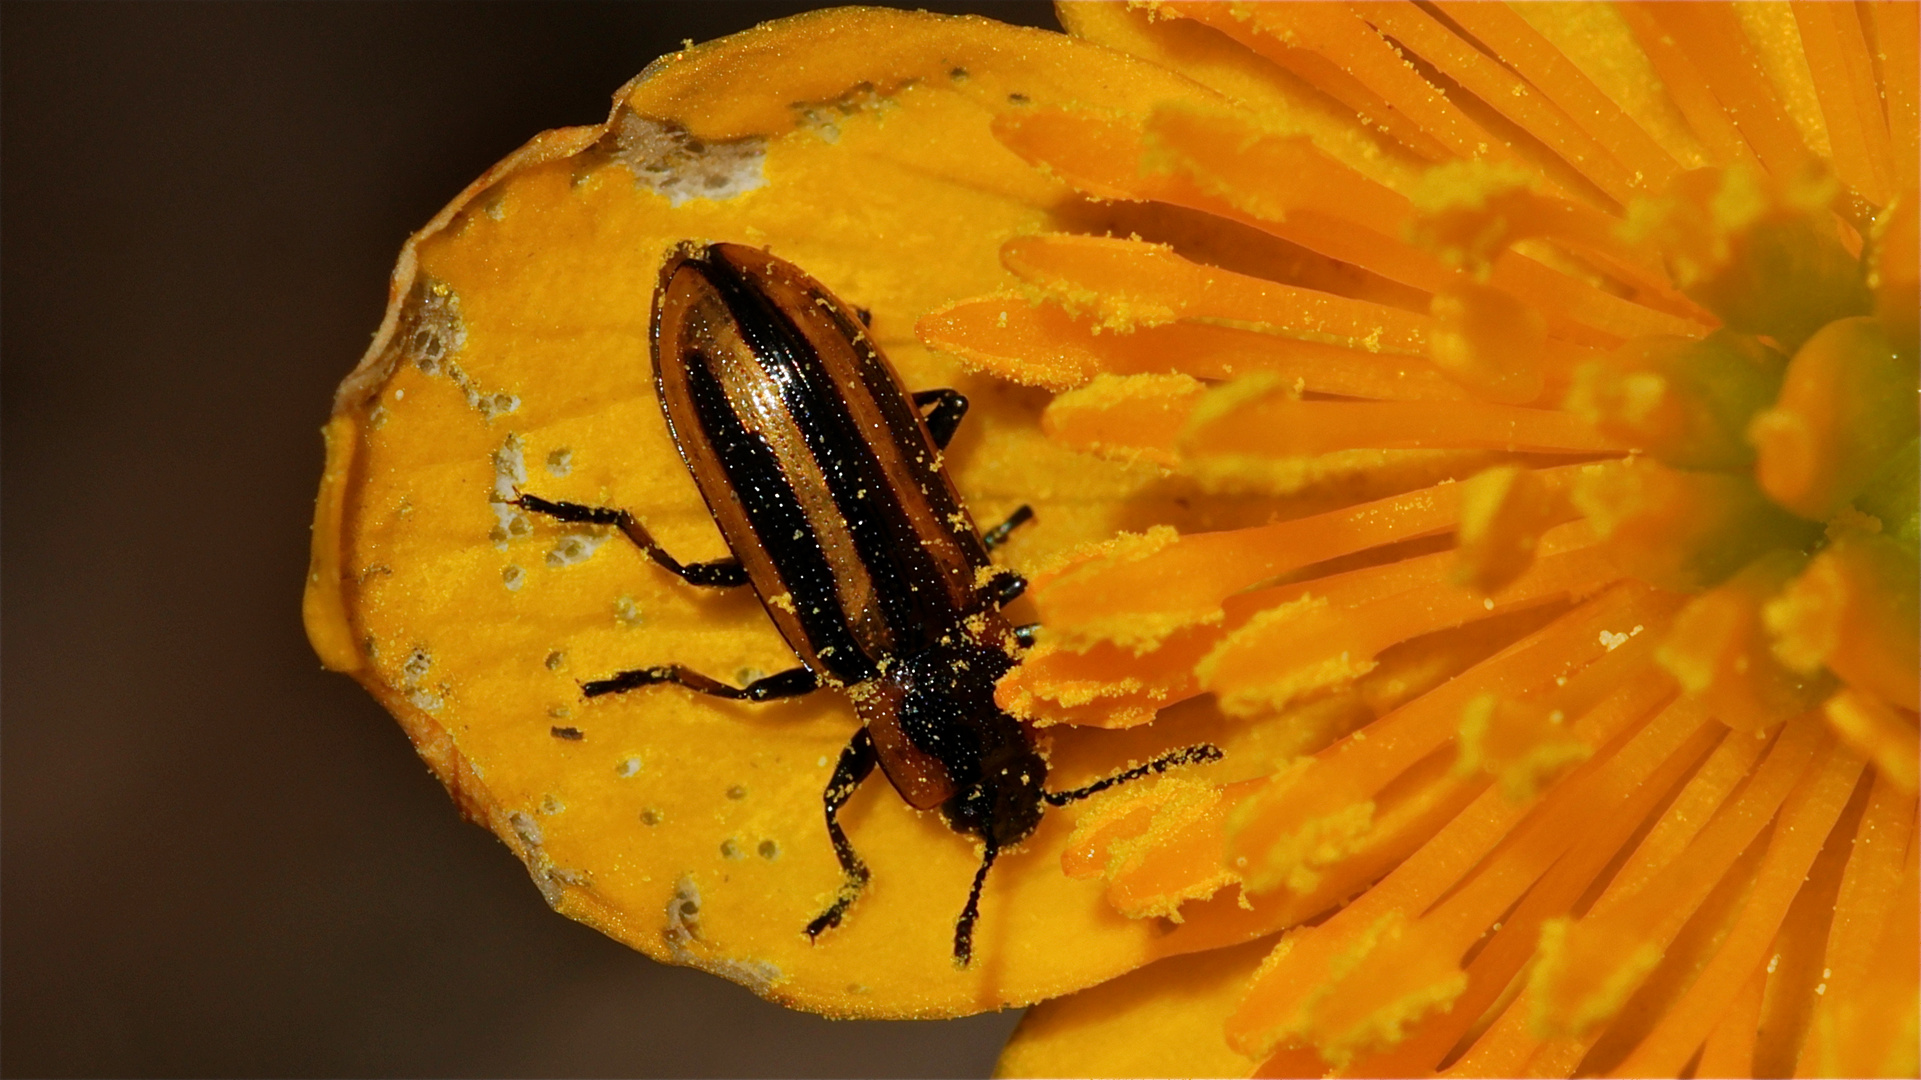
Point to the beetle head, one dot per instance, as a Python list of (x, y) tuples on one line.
[(1003, 802)]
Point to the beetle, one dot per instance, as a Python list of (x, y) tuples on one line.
[(826, 480)]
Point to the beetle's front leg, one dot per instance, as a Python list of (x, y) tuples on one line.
[(856, 761), (1198, 754), (719, 573)]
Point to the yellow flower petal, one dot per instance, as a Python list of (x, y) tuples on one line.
[(515, 358)]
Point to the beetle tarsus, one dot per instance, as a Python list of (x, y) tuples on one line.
[(1024, 634), (718, 574), (856, 762), (945, 417), (997, 535), (784, 684), (964, 926), (1198, 754)]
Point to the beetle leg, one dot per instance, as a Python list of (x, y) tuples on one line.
[(1025, 634), (783, 684), (1198, 754), (997, 535), (964, 926), (945, 416), (856, 761), (1004, 587), (719, 573)]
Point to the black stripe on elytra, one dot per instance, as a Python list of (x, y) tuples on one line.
[(780, 525), (914, 601)]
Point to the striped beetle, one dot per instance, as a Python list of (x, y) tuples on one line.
[(824, 475)]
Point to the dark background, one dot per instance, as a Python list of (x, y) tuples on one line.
[(219, 859)]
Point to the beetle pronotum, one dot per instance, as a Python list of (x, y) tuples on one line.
[(824, 476)]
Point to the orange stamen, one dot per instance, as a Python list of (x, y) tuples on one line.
[(1846, 405), (1492, 971), (1503, 90), (1522, 48), (1805, 821), (1276, 425), (1884, 735), (1128, 283), (1294, 986), (1869, 895), (1042, 345), (1138, 591), (1897, 26), (1855, 611), (1711, 36), (1588, 970), (1687, 87), (1505, 511), (1505, 1048), (1301, 58), (1490, 343), (1850, 101), (1126, 416), (1729, 1049), (1347, 775), (1176, 157), (1324, 644), (1719, 650)]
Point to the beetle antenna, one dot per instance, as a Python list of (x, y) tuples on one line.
[(1198, 754), (964, 928)]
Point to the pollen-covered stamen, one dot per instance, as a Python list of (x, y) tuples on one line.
[(1322, 814), (1719, 650), (1156, 848), (1846, 405), (1539, 872), (1040, 344), (1365, 612), (1683, 530), (1317, 641), (1881, 733), (1129, 284), (1489, 342), (1590, 968), (1140, 589), (1688, 403), (1295, 996), (1505, 511), (1854, 611)]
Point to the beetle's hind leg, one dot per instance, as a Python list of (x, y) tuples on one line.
[(945, 417), (720, 573), (1198, 754), (856, 761), (784, 684)]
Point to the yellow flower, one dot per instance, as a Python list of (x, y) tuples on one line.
[(1493, 426)]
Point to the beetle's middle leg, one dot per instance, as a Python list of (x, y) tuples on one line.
[(856, 761), (719, 573), (997, 535), (782, 684), (945, 417)]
